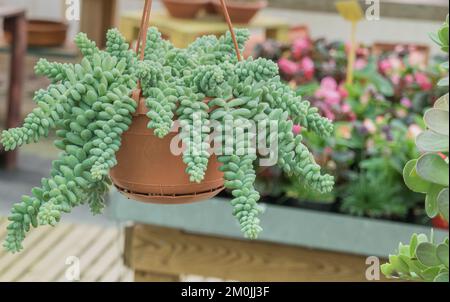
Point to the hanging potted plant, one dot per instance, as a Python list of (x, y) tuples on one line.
[(115, 112)]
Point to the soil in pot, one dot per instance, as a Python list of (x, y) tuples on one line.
[(241, 11), (41, 33), (147, 170), (185, 9)]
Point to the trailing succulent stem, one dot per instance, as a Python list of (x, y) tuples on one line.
[(213, 96), (90, 107)]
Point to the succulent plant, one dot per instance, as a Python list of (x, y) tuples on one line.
[(89, 105), (420, 260), (423, 259)]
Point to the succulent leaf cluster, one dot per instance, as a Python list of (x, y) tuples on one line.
[(423, 259), (90, 107)]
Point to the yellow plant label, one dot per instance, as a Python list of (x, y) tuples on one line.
[(350, 10)]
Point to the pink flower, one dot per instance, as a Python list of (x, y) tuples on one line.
[(288, 67), (385, 66), (346, 108), (423, 81), (406, 102), (328, 83), (416, 58), (395, 79), (328, 91), (409, 79), (301, 47), (343, 91), (307, 66), (297, 129), (360, 64)]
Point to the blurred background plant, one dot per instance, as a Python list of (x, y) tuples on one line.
[(423, 258), (377, 119)]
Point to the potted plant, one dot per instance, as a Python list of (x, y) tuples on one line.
[(185, 9), (95, 104), (423, 258), (241, 11)]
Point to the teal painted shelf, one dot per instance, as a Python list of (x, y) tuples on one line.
[(307, 228)]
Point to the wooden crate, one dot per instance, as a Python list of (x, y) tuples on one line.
[(164, 254)]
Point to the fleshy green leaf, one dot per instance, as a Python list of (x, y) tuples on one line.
[(442, 103), (430, 273), (431, 201), (442, 277), (443, 203), (433, 168), (426, 254), (442, 254), (412, 180), (437, 120), (430, 141)]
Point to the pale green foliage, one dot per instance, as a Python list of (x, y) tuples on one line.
[(90, 107), (429, 174), (422, 259)]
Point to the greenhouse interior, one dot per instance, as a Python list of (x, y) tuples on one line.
[(304, 141)]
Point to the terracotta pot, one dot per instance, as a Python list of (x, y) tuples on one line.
[(41, 33), (241, 11), (210, 9), (147, 171), (185, 9)]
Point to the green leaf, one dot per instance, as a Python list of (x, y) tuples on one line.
[(387, 269), (430, 141), (442, 277), (433, 168), (412, 180), (426, 254), (413, 245), (430, 273), (437, 120), (442, 103), (442, 253), (443, 203), (431, 201), (398, 264)]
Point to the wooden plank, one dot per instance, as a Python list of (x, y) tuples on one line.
[(8, 259), (107, 259), (117, 269), (97, 250), (48, 266), (53, 264), (142, 276), (37, 251), (173, 252)]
